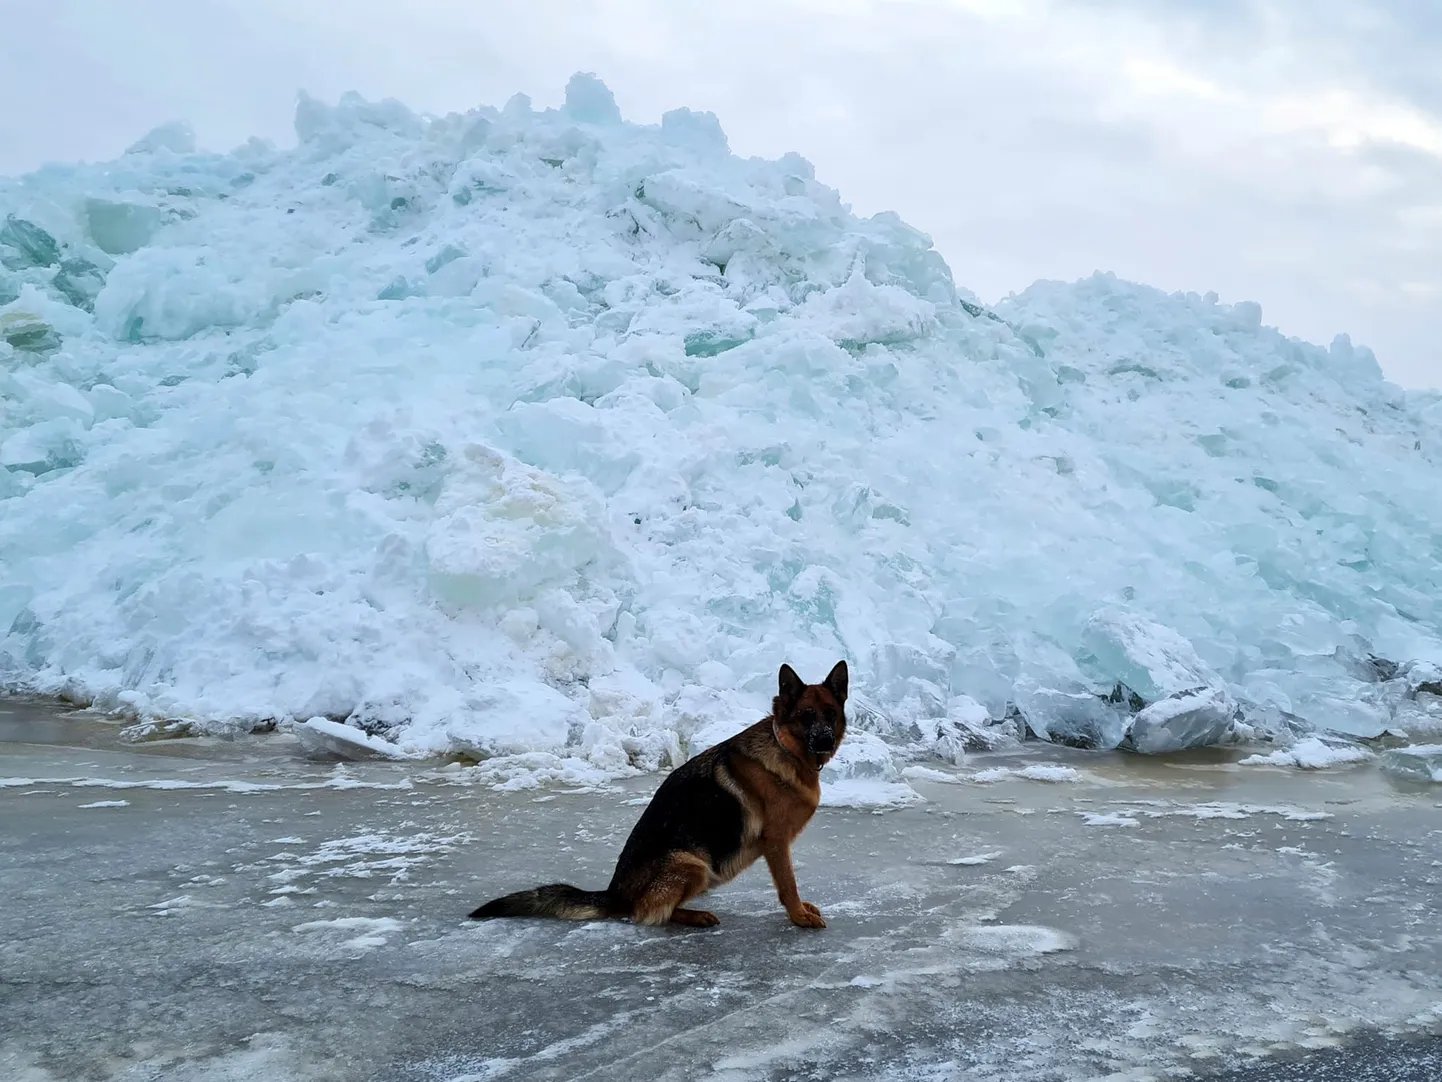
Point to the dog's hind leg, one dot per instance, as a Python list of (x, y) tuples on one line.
[(696, 918), (678, 879)]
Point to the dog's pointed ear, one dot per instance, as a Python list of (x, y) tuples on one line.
[(836, 682), (789, 685)]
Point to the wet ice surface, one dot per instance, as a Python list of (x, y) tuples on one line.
[(248, 915)]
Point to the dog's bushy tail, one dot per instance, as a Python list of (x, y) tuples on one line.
[(554, 900)]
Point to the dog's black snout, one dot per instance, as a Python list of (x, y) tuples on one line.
[(821, 740)]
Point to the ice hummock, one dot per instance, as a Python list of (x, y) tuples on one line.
[(538, 431)]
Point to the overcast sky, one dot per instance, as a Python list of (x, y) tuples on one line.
[(1283, 151)]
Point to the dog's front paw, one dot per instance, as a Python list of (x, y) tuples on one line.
[(807, 916)]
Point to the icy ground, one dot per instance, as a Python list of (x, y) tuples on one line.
[(203, 911), (538, 432)]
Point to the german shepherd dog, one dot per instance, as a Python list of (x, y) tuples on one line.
[(747, 797)]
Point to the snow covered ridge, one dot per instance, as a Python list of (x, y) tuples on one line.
[(523, 431)]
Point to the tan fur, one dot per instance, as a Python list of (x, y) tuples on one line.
[(789, 792), (683, 877)]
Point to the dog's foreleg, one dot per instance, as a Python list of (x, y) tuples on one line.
[(802, 914)]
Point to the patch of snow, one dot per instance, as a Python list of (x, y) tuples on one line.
[(980, 858), (1311, 753), (171, 906), (374, 930), (512, 773), (228, 785), (1015, 939), (926, 773), (1108, 819), (1047, 772), (1217, 809), (490, 1069), (869, 794), (994, 774), (387, 855), (369, 924)]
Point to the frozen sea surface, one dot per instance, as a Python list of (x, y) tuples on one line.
[(241, 915), (531, 432)]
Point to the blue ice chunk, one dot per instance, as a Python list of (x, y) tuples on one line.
[(119, 228), (590, 101), (24, 244)]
